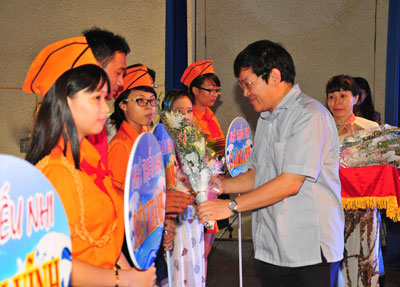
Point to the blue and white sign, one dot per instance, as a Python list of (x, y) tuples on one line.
[(168, 154), (239, 144), (144, 200), (35, 242)]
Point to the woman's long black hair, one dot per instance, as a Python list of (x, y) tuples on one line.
[(54, 118), (366, 108)]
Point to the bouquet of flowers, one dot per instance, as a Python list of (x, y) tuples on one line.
[(198, 161), (371, 147)]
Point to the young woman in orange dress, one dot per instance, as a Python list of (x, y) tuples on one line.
[(204, 88), (75, 88), (134, 108)]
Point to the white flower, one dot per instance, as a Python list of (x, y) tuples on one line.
[(203, 147), (186, 168), (205, 176), (174, 119), (216, 166), (193, 158), (195, 169)]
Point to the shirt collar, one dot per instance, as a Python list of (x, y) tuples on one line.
[(202, 115), (129, 130), (287, 101), (350, 120), (87, 152)]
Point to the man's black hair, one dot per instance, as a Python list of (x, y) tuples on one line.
[(262, 56), (104, 44)]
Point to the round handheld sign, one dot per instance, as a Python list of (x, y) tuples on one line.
[(169, 160), (35, 241), (168, 154), (238, 148), (144, 200), (239, 144)]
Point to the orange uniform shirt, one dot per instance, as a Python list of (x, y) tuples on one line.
[(119, 150), (100, 142), (208, 123), (93, 206)]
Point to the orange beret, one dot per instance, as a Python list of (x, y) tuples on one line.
[(136, 77), (196, 69), (54, 60)]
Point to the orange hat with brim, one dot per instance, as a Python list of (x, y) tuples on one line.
[(196, 69), (136, 77), (55, 60)]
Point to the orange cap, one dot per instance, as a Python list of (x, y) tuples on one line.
[(196, 69), (136, 77), (54, 60)]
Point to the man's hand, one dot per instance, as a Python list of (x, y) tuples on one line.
[(216, 209), (217, 184), (176, 202)]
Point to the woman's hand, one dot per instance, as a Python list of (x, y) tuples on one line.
[(134, 277), (169, 234), (86, 274), (349, 129), (176, 202)]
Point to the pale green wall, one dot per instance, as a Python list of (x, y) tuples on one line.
[(324, 37), (28, 26)]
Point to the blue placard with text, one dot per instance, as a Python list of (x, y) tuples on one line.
[(35, 242), (168, 154), (144, 200), (239, 144)]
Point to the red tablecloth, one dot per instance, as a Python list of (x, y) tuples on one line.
[(371, 187)]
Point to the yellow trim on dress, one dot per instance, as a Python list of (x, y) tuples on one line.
[(81, 230)]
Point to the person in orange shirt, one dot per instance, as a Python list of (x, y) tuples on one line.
[(110, 51), (74, 106), (134, 108), (112, 129), (204, 87)]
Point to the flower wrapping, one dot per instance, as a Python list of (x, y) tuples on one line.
[(198, 161), (371, 147)]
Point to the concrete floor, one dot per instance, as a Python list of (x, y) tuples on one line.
[(223, 266)]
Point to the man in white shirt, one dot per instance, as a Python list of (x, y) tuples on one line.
[(292, 185)]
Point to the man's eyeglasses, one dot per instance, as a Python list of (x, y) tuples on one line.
[(212, 91), (246, 85), (142, 102)]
